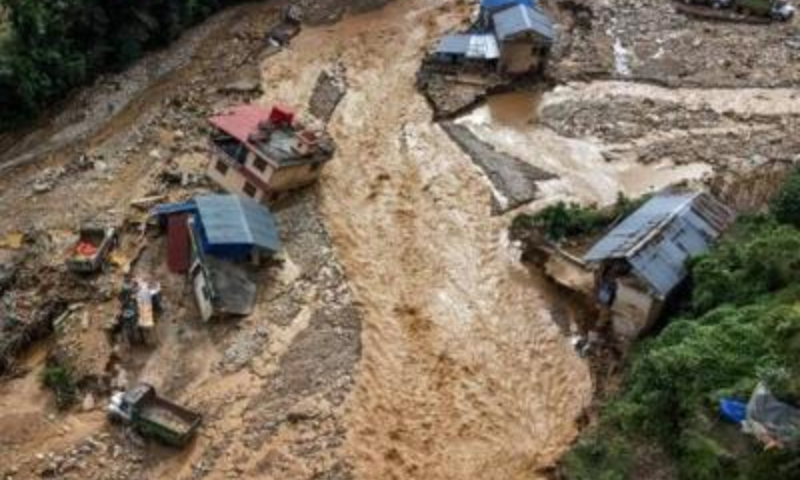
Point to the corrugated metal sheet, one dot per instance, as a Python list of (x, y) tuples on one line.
[(662, 235), (178, 245), (241, 121), (522, 19), (475, 46), (494, 5), (229, 220)]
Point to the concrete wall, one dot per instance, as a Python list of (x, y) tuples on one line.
[(634, 311), (294, 177), (518, 57), (233, 181), (201, 290)]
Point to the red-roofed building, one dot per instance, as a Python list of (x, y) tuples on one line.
[(258, 152)]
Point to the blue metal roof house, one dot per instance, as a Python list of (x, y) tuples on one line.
[(233, 227), (641, 261), (229, 227), (469, 46), (494, 6)]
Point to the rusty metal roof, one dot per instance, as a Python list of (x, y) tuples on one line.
[(662, 235)]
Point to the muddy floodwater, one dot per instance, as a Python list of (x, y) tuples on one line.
[(463, 373)]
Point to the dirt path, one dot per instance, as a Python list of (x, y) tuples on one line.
[(463, 373)]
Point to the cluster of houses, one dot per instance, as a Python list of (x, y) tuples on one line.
[(256, 154), (511, 37)]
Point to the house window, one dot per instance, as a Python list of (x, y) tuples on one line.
[(260, 164), (222, 167), (250, 190)]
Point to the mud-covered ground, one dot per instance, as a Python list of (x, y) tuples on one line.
[(397, 336)]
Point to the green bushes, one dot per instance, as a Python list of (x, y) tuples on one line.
[(565, 221), (58, 378), (786, 204), (54, 46), (744, 328)]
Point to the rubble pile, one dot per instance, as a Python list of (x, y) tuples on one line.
[(648, 40)]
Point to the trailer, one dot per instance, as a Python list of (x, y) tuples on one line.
[(90, 252), (154, 417), (741, 11)]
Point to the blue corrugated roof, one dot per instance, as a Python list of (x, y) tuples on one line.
[(229, 220), (476, 46), (662, 235), (499, 4), (522, 18)]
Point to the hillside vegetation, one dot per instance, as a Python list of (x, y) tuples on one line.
[(49, 47), (742, 327)]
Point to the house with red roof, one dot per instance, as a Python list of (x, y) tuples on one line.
[(259, 152)]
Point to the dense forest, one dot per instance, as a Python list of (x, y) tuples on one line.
[(48, 47), (741, 327)]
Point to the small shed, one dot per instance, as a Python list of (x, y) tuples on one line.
[(463, 48), (235, 228), (525, 35), (642, 261)]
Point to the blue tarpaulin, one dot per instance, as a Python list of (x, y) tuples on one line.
[(732, 410)]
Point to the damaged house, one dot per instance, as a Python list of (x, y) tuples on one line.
[(642, 261), (259, 153), (511, 37), (210, 238)]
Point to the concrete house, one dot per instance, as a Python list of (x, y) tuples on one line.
[(642, 261), (525, 36), (258, 152), (511, 37)]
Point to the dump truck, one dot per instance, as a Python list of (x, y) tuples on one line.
[(90, 252), (154, 417), (739, 10)]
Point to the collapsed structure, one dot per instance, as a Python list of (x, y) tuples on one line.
[(259, 153), (512, 37), (642, 261)]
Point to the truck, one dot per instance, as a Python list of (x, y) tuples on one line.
[(154, 417), (90, 252), (739, 10)]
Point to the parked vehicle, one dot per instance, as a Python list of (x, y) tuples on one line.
[(89, 254), (153, 416)]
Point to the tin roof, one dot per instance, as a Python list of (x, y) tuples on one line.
[(477, 46), (230, 220), (662, 235), (500, 4), (241, 121), (522, 19), (284, 146)]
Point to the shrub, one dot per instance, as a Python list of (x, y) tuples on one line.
[(570, 220), (59, 379), (785, 206)]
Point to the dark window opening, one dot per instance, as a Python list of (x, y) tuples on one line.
[(260, 164), (250, 190), (222, 167)]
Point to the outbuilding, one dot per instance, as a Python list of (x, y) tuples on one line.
[(524, 35), (642, 261)]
